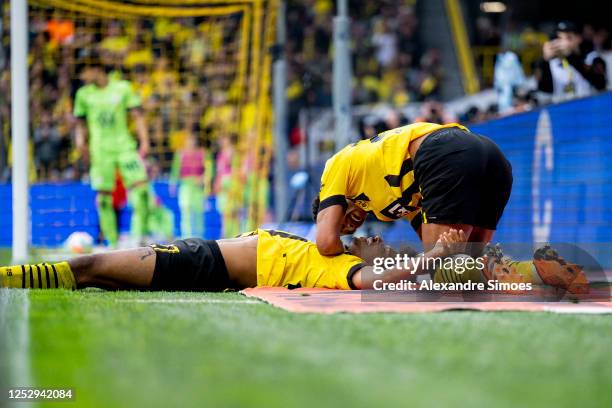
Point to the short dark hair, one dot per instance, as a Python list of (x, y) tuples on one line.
[(315, 207), (97, 60), (94, 59)]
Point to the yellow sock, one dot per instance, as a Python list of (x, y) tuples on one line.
[(65, 275), (40, 276), (526, 269), (474, 275)]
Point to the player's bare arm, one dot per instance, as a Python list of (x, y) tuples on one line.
[(80, 135), (141, 131), (335, 221), (329, 223), (448, 243)]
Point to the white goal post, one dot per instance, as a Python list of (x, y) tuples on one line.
[(20, 128)]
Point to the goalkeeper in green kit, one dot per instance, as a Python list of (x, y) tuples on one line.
[(101, 108)]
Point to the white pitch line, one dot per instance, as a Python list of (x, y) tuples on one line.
[(15, 330), (245, 302), (579, 310)]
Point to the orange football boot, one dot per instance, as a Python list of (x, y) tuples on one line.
[(555, 271)]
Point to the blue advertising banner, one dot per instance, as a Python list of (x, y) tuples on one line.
[(562, 165), (57, 210)]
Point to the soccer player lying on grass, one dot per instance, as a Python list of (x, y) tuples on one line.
[(276, 258), (258, 258)]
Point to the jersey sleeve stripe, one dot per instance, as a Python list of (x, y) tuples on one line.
[(333, 200), (351, 273)]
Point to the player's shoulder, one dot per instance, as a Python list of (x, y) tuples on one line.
[(353, 149), (406, 129), (283, 235), (121, 84), (338, 160), (396, 131), (348, 258), (85, 89), (346, 262), (412, 131)]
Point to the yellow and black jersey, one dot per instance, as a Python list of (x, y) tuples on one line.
[(377, 174), (287, 260)]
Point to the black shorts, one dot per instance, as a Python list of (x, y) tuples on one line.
[(464, 179), (190, 265)]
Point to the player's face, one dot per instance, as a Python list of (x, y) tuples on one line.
[(370, 248), (98, 75), (86, 75), (353, 219)]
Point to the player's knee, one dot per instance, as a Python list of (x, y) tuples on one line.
[(138, 198), (83, 269), (104, 200)]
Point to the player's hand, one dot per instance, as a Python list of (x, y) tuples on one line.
[(450, 243)]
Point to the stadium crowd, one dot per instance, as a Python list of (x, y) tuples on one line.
[(169, 63), (390, 63), (529, 65)]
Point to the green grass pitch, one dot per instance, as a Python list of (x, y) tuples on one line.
[(133, 349)]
